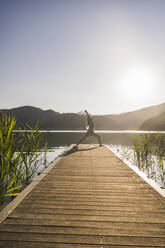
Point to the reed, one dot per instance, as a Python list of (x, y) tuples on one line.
[(29, 153), (160, 154), (18, 160), (145, 150), (9, 160), (137, 154)]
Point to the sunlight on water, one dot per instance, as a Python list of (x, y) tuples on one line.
[(47, 159)]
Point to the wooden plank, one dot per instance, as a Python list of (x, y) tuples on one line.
[(18, 244), (141, 219), (98, 174), (102, 186), (97, 187), (93, 224), (92, 207), (95, 191), (89, 212), (112, 198), (113, 202), (102, 183), (110, 194), (83, 239), (92, 178), (81, 230)]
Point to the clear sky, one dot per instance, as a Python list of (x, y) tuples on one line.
[(67, 55)]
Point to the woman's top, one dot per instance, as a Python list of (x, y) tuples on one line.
[(90, 123)]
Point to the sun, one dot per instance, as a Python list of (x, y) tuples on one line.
[(137, 84)]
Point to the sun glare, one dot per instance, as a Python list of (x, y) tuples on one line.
[(137, 84)]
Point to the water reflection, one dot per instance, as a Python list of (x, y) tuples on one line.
[(96, 131), (56, 138), (61, 138)]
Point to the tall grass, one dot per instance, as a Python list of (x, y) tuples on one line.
[(9, 160), (30, 153), (159, 151), (18, 160), (145, 150)]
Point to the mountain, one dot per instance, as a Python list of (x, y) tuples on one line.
[(49, 119), (134, 119), (156, 123)]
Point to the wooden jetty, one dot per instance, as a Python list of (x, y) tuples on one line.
[(88, 199)]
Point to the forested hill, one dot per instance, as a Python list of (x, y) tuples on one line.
[(50, 119)]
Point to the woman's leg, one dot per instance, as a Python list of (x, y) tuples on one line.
[(83, 138), (97, 136)]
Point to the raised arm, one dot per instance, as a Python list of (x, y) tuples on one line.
[(86, 113)]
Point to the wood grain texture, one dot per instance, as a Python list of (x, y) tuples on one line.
[(90, 199)]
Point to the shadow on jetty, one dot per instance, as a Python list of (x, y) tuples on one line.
[(87, 149), (76, 149)]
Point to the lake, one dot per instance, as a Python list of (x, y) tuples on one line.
[(56, 138)]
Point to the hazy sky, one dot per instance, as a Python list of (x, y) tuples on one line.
[(104, 55)]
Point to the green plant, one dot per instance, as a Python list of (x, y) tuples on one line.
[(162, 172), (144, 151), (147, 152), (125, 152), (29, 152), (45, 154), (159, 142), (18, 160), (9, 159), (137, 153), (160, 153)]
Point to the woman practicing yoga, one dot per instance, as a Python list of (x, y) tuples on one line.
[(90, 129)]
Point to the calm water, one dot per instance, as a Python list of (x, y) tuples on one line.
[(97, 131), (56, 138)]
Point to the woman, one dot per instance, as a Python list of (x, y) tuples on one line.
[(90, 129)]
